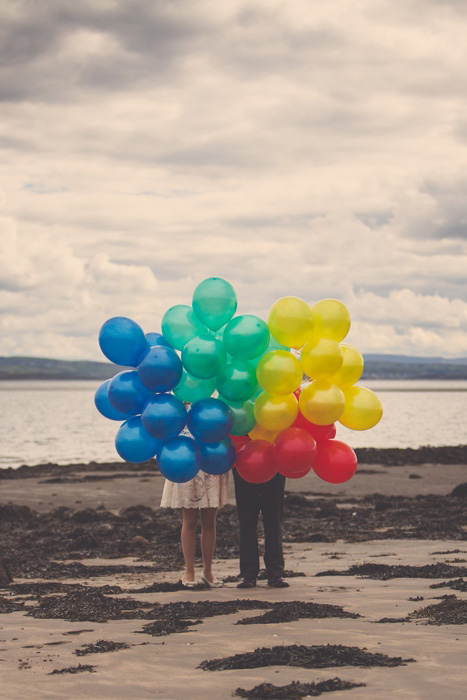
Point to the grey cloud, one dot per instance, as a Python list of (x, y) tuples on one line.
[(450, 220), (375, 219), (152, 37)]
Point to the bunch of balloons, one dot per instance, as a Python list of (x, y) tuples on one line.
[(243, 381)]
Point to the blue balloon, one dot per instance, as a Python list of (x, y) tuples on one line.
[(217, 457), (160, 368), (179, 459), (209, 420), (122, 341), (134, 444), (103, 405), (164, 416), (157, 339), (127, 393)]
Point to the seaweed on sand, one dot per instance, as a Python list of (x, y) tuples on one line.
[(295, 690), (383, 572), (317, 656), (92, 606), (80, 668), (9, 606), (451, 611), (100, 647), (296, 610), (457, 585)]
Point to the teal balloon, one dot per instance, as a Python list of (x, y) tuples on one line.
[(203, 356), (191, 389), (244, 418), (246, 337), (272, 345), (236, 381), (179, 325), (214, 302)]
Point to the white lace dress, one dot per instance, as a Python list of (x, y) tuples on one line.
[(204, 491)]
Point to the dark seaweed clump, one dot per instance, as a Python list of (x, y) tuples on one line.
[(457, 585), (161, 628), (295, 690), (92, 606), (451, 611), (9, 606), (43, 588), (80, 668), (384, 572), (100, 647), (318, 656), (296, 610)]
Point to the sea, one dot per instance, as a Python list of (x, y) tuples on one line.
[(56, 421)]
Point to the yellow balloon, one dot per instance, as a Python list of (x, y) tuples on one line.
[(351, 369), (321, 357), (279, 372), (260, 433), (321, 402), (291, 321), (363, 409), (275, 412), (331, 319)]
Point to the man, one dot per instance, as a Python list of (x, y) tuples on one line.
[(269, 499)]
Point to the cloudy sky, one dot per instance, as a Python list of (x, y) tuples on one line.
[(315, 149)]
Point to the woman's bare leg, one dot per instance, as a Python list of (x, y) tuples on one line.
[(188, 539), (208, 539)]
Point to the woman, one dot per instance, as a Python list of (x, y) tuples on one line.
[(202, 495)]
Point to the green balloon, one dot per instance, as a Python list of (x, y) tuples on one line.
[(273, 345), (191, 389), (203, 356), (179, 325), (236, 381), (214, 302), (246, 337), (244, 418)]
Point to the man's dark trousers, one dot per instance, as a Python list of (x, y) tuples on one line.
[(269, 499)]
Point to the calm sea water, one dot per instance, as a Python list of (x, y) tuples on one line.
[(56, 421)]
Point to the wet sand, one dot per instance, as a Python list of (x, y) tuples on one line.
[(377, 570)]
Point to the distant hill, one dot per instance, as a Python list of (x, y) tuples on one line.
[(407, 367), (376, 367)]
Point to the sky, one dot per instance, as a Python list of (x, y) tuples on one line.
[(295, 148)]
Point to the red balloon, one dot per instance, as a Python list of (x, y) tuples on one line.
[(336, 462), (332, 434), (319, 432), (255, 462), (294, 452), (240, 440)]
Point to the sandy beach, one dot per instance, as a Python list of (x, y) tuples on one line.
[(377, 603)]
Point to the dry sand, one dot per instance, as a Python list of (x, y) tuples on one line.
[(168, 666)]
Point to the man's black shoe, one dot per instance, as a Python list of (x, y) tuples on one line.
[(277, 583), (246, 583)]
